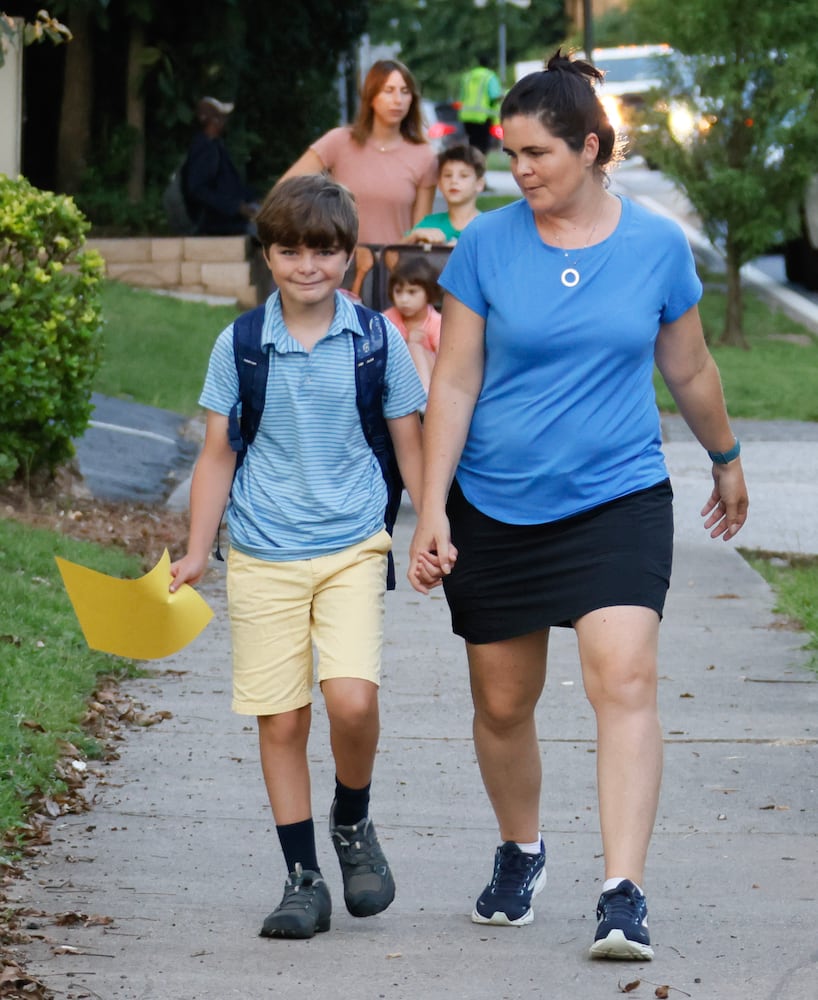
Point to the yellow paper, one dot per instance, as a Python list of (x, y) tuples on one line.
[(139, 619)]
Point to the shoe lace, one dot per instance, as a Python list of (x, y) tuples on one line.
[(620, 905), (513, 871), (358, 852), (298, 891)]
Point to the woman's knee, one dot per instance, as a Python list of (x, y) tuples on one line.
[(627, 685)]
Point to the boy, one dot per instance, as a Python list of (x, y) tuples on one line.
[(308, 552), (460, 179)]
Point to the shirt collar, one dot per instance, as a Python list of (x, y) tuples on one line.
[(274, 330)]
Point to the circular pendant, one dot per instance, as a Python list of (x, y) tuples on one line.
[(570, 277)]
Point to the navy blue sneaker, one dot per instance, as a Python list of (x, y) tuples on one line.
[(517, 878), (623, 924)]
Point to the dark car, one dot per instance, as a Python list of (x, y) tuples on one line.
[(801, 252)]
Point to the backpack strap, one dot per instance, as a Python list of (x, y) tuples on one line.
[(370, 379), (252, 365)]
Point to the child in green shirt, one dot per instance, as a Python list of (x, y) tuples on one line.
[(460, 179)]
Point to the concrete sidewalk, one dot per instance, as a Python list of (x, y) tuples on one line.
[(181, 852)]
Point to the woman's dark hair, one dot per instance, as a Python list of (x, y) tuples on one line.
[(413, 269), (312, 211), (563, 98), (412, 125)]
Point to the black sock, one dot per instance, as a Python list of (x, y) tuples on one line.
[(298, 844), (351, 804)]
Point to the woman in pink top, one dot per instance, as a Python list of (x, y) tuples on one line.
[(383, 157)]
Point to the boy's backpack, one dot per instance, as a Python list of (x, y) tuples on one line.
[(252, 366), (173, 200)]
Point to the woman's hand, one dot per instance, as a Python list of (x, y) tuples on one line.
[(727, 506), (431, 554)]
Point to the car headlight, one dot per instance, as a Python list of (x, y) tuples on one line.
[(681, 123)]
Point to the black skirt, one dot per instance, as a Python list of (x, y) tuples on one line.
[(510, 580)]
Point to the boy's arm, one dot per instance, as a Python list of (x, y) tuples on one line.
[(209, 490), (407, 439)]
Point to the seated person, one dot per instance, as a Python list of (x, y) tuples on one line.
[(413, 288), (460, 179), (219, 202)]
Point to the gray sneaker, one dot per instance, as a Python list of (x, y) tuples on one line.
[(368, 884), (304, 910)]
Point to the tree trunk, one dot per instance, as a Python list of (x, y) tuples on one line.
[(75, 111), (733, 333), (135, 111)]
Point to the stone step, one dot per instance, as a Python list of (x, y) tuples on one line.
[(209, 265)]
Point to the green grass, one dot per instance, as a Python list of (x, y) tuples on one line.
[(486, 202), (157, 347), (47, 671), (777, 379), (795, 582)]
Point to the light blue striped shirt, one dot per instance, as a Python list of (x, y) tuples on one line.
[(310, 484)]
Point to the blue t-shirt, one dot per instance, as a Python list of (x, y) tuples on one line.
[(310, 484), (566, 418)]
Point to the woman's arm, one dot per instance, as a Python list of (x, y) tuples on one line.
[(692, 377), (209, 490), (456, 382), (308, 163), (423, 203)]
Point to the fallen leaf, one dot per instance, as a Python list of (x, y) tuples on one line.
[(629, 987), (662, 992)]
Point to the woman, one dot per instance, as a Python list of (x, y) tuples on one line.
[(546, 499), (383, 157)]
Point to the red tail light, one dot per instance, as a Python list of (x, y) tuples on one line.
[(441, 129)]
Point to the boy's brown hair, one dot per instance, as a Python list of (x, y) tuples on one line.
[(469, 155), (413, 269), (312, 211)]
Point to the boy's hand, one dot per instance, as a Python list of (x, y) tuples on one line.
[(189, 569)]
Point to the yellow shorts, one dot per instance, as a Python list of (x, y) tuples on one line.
[(279, 610)]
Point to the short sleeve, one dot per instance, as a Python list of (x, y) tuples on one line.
[(220, 392)]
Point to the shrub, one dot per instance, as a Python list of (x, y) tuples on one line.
[(50, 338)]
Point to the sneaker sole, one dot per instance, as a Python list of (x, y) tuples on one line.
[(294, 933), (617, 946), (500, 919), (368, 906)]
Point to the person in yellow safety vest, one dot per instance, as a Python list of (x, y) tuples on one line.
[(480, 94)]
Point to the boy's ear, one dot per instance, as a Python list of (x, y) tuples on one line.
[(481, 183)]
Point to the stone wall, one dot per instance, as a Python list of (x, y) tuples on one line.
[(203, 265)]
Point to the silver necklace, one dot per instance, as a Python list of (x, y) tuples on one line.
[(570, 276)]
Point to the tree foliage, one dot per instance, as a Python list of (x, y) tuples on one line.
[(750, 75), (440, 39), (50, 342), (278, 63)]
